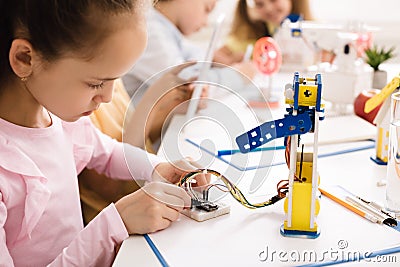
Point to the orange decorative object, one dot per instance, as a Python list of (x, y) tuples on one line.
[(359, 104), (267, 55)]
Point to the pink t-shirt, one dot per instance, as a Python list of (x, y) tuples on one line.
[(40, 214)]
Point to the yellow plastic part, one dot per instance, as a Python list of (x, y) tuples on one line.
[(379, 143), (307, 96), (382, 151), (301, 208), (386, 91), (301, 197)]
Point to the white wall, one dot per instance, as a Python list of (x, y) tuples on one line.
[(384, 14), (364, 10)]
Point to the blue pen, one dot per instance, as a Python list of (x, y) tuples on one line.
[(234, 151)]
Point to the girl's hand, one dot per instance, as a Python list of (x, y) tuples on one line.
[(152, 208), (172, 172)]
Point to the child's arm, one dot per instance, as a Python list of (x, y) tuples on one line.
[(95, 244), (145, 211), (122, 160), (95, 150), (226, 56), (157, 103)]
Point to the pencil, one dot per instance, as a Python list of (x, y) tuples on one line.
[(234, 151), (350, 207), (381, 216)]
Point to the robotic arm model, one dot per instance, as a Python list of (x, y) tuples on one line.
[(303, 115)]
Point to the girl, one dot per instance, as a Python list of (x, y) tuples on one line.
[(58, 63), (254, 19)]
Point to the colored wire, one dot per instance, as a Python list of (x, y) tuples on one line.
[(283, 185), (221, 187), (233, 190)]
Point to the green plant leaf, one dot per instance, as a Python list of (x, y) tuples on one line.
[(376, 56)]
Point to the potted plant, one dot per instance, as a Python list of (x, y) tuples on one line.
[(375, 57)]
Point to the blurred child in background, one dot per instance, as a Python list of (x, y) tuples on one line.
[(254, 19), (168, 23)]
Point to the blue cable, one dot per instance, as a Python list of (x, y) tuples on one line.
[(226, 152), (156, 251), (240, 168)]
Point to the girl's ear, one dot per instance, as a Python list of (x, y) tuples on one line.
[(20, 57)]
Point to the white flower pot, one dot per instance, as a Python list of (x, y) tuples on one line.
[(380, 79)]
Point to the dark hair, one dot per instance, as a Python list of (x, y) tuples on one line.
[(55, 27)]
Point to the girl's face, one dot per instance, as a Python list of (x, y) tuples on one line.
[(72, 87), (194, 15), (272, 11)]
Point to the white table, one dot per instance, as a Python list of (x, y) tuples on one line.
[(246, 237), (238, 239)]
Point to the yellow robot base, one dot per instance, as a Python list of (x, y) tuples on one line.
[(301, 215)]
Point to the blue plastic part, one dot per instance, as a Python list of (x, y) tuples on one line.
[(294, 17), (300, 234), (378, 161), (296, 83), (318, 82), (268, 131), (290, 125)]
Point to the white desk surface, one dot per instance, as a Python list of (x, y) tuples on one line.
[(237, 239)]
